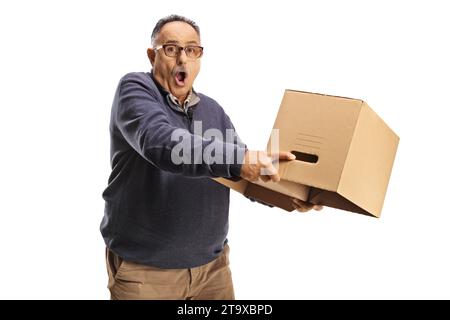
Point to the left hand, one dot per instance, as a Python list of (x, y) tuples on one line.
[(303, 206)]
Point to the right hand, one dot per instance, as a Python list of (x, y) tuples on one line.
[(258, 164)]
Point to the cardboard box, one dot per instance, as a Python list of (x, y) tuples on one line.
[(345, 153)]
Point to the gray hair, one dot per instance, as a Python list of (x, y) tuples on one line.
[(172, 18)]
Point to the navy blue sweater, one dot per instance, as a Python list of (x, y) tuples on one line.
[(157, 212)]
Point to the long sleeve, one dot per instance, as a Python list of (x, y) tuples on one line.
[(236, 140), (239, 142), (145, 126)]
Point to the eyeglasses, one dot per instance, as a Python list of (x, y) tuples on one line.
[(173, 50)]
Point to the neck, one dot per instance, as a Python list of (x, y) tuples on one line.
[(182, 98)]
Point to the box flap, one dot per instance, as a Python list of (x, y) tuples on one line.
[(288, 188), (270, 197), (335, 200), (260, 193), (238, 186)]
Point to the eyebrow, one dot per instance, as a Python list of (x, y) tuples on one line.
[(176, 41)]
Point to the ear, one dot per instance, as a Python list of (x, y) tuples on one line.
[(151, 54)]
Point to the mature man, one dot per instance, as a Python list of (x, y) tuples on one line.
[(166, 222)]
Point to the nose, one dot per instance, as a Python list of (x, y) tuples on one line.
[(182, 58)]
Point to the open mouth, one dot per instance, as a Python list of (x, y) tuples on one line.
[(180, 78)]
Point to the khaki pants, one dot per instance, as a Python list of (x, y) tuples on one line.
[(128, 280)]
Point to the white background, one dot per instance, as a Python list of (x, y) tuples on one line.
[(60, 64)]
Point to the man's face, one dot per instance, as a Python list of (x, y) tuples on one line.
[(176, 74)]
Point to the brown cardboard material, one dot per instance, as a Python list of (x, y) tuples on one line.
[(345, 153), (277, 194)]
